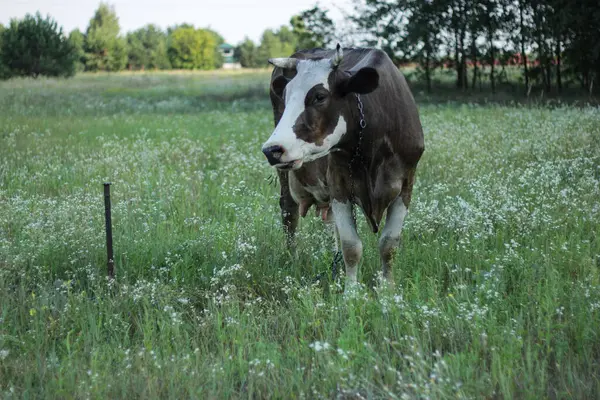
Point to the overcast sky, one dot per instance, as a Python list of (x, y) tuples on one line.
[(233, 19)]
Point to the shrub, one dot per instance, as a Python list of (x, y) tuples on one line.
[(36, 46)]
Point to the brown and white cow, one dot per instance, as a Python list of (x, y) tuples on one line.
[(324, 158)]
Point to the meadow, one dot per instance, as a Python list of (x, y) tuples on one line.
[(497, 282)]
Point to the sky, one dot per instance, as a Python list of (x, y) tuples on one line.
[(233, 19)]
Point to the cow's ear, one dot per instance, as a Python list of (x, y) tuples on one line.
[(278, 85), (363, 81)]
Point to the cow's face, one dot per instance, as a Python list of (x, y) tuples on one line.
[(312, 122)]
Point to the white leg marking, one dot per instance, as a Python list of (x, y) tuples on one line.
[(390, 235), (350, 241)]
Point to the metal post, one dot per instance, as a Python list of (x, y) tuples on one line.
[(109, 242)]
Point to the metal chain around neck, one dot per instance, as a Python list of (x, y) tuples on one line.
[(361, 111), (362, 124), (357, 151)]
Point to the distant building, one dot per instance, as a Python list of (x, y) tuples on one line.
[(229, 60)]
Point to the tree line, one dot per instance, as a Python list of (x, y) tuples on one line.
[(541, 43), (552, 42), (36, 45)]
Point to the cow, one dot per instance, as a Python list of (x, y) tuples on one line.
[(347, 132)]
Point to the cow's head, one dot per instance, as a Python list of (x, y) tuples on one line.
[(313, 121)]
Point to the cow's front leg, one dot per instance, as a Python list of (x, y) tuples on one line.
[(289, 208), (349, 239), (390, 236)]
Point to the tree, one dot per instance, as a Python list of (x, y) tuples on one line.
[(457, 25), (312, 28), (280, 43), (423, 35), (384, 24), (490, 18), (219, 40), (522, 38), (541, 40), (191, 48), (36, 46), (581, 45), (475, 32), (147, 48), (105, 49), (4, 73), (77, 40), (247, 54), (173, 28), (217, 56)]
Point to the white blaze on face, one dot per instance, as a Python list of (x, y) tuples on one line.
[(309, 74)]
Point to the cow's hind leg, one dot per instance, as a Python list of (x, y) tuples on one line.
[(349, 239), (394, 220), (390, 236)]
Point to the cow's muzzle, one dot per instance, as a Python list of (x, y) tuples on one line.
[(273, 154)]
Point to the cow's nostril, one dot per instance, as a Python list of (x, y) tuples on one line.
[(273, 154)]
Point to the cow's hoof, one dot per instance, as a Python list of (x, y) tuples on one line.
[(352, 289), (386, 283), (385, 288)]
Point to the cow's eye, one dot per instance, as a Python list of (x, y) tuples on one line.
[(320, 97)]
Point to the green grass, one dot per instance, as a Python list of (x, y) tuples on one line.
[(498, 286)]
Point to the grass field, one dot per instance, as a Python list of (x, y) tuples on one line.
[(498, 279)]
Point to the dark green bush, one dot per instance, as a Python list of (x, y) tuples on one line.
[(36, 46)]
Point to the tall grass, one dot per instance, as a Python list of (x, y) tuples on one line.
[(498, 287)]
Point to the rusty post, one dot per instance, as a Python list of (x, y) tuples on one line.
[(109, 242)]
